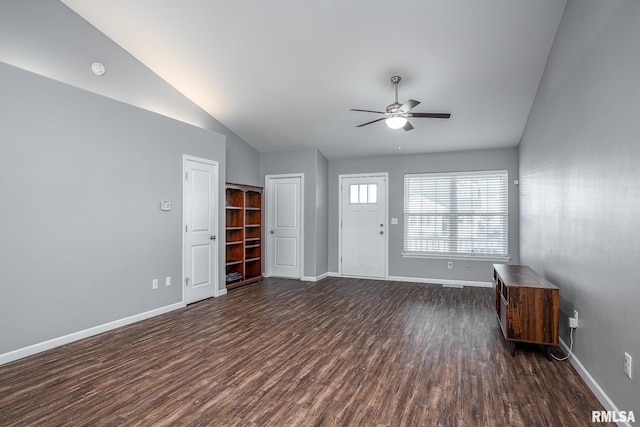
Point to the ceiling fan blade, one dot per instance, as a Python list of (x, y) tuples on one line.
[(368, 111), (368, 123), (408, 105), (407, 126), (430, 115)]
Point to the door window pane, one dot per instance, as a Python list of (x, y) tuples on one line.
[(363, 193)]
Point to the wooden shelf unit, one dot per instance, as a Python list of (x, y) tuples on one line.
[(527, 306), (243, 233)]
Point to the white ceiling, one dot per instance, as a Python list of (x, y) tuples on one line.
[(283, 74)]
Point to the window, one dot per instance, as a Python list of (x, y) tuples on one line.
[(363, 193), (461, 213)]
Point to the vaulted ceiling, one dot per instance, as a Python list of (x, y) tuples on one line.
[(283, 74)]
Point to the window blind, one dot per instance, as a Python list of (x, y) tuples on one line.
[(457, 213)]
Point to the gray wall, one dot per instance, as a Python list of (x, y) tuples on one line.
[(580, 186), (397, 166), (81, 178), (322, 212), (314, 166), (48, 38)]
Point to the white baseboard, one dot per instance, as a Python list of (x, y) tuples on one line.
[(444, 282), (76, 336), (314, 279), (221, 292), (591, 382)]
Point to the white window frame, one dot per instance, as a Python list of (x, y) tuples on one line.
[(453, 215)]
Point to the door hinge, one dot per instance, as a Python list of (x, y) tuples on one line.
[(186, 175), (186, 281), (186, 228)]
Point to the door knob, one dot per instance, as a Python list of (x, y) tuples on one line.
[(272, 232), (212, 237)]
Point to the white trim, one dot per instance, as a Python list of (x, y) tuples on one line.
[(443, 282), (591, 382), (334, 274), (267, 255), (314, 279), (221, 241), (382, 279), (76, 336), (460, 257), (384, 175)]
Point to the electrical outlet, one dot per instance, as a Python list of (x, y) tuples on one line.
[(155, 284), (575, 316), (627, 365), (450, 264), (167, 281)]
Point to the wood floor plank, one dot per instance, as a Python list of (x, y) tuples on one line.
[(339, 352)]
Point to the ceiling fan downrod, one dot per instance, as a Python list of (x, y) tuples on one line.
[(395, 80)]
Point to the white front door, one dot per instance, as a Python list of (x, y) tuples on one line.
[(201, 228), (363, 226), (284, 226)]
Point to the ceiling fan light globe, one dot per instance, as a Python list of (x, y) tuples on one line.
[(396, 122)]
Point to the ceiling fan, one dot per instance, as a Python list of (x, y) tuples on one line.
[(397, 114)]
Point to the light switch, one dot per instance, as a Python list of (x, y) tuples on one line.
[(394, 221)]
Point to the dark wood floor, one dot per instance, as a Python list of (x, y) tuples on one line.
[(286, 353)]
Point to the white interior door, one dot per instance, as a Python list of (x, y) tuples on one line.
[(201, 228), (284, 226), (363, 226)]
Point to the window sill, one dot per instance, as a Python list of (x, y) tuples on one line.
[(457, 257)]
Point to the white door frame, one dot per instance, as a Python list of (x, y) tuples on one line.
[(384, 175), (216, 227), (268, 256)]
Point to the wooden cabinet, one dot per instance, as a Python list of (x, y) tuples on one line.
[(243, 262), (527, 306)]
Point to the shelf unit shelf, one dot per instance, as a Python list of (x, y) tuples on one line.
[(243, 233)]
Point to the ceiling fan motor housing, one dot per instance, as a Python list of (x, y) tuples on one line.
[(394, 108)]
